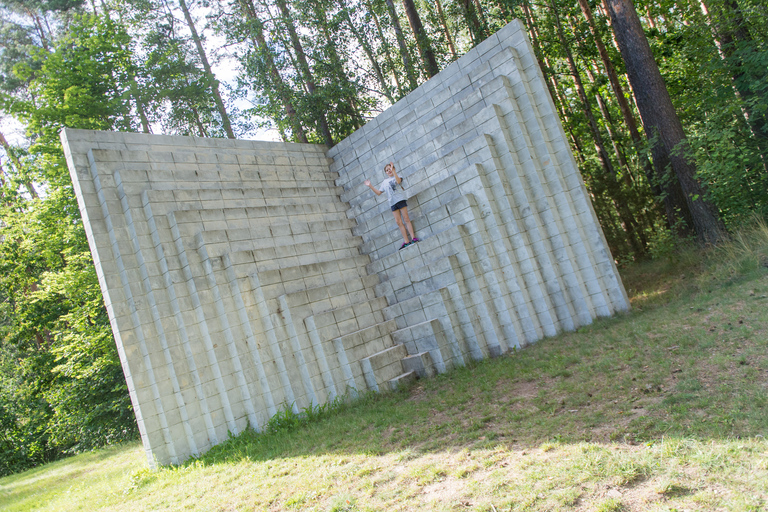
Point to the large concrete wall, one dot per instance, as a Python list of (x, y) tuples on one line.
[(498, 198), (241, 277)]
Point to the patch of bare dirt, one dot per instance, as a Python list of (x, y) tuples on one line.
[(417, 394), (447, 491), (512, 390), (650, 494)]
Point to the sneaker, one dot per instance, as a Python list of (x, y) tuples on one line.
[(415, 239), (405, 245)]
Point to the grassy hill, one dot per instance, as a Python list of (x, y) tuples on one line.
[(664, 408)]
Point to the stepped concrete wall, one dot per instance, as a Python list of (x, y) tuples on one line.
[(241, 277)]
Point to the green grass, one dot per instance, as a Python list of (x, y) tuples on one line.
[(660, 409)]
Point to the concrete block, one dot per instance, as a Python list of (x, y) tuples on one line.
[(402, 380)]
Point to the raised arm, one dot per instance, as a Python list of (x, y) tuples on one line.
[(375, 190), (398, 179)]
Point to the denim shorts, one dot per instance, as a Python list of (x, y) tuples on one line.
[(398, 205)]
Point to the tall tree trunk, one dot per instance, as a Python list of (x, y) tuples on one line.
[(140, 108), (257, 33), (422, 39), (609, 222), (385, 46), (39, 27), (504, 10), (566, 114), (3, 199), (208, 73), (637, 193), (626, 110), (338, 66), (17, 165), (481, 15), (304, 68), (649, 16), (537, 50), (404, 53), (611, 182), (446, 30), (670, 191), (560, 104), (198, 123), (609, 127), (476, 30), (365, 45), (662, 126)]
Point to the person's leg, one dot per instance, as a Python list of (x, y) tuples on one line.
[(400, 225), (407, 221)]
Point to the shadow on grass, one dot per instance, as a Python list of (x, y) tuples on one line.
[(691, 368), (689, 361)]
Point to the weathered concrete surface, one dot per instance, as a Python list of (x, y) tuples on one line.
[(241, 277)]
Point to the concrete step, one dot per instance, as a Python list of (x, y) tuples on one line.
[(420, 364), (436, 336), (441, 219), (350, 318), (354, 290), (232, 178), (219, 241), (281, 212), (424, 253), (368, 341), (383, 366), (276, 258), (316, 273), (227, 192), (242, 227), (310, 301), (424, 279), (402, 380)]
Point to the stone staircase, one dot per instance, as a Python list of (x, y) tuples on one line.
[(234, 281), (510, 251)]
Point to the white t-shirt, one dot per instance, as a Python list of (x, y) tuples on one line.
[(394, 192)]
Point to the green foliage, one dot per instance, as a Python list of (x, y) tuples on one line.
[(611, 505), (61, 383), (730, 165), (169, 78), (719, 86), (275, 69), (664, 242), (83, 83)]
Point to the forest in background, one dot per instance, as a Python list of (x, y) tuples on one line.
[(665, 161)]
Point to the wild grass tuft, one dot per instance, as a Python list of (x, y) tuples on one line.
[(746, 251)]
